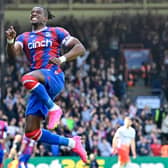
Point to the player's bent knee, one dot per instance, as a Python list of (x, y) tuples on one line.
[(29, 82), (36, 134)]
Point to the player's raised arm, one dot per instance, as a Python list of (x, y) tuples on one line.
[(77, 49), (13, 49)]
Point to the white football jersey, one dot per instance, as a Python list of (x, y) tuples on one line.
[(125, 135)]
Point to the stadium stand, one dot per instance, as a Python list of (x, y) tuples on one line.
[(96, 87)]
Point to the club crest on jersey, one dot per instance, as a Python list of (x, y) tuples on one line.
[(36, 44), (48, 34)]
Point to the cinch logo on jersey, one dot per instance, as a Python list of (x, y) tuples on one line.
[(36, 44)]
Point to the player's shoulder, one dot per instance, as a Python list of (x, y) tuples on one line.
[(24, 34), (57, 29), (132, 129), (61, 30), (121, 128)]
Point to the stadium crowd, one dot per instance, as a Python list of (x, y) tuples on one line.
[(95, 99)]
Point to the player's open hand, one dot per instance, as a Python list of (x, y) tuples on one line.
[(55, 60), (10, 33)]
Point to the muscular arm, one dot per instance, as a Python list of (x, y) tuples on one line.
[(77, 49), (13, 49)]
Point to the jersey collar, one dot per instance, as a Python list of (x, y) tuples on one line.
[(40, 30)]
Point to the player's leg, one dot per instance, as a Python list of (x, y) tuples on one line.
[(21, 161), (33, 131), (120, 164), (1, 156), (27, 157), (35, 82), (128, 165), (21, 164), (123, 156), (54, 83)]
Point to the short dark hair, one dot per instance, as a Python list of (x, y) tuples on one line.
[(47, 12)]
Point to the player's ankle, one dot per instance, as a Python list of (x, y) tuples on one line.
[(71, 143), (54, 107)]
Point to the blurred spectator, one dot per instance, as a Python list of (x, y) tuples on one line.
[(143, 148), (92, 161), (13, 129), (145, 70), (156, 148), (160, 114), (164, 151), (87, 113), (149, 126), (104, 147), (43, 151), (132, 110), (164, 130)]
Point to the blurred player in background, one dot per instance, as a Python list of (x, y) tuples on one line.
[(13, 154), (123, 140), (23, 148), (3, 136), (45, 80), (27, 150)]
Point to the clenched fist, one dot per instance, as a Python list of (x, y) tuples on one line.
[(10, 33), (55, 60)]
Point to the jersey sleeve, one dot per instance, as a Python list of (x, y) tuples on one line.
[(19, 40), (63, 35)]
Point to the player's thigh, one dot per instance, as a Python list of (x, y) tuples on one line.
[(32, 123), (1, 155), (54, 82), (38, 75), (123, 155)]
